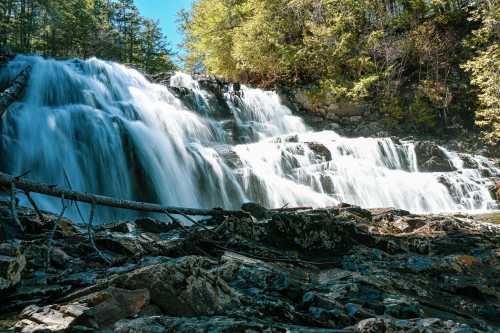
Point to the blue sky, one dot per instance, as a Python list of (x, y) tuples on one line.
[(166, 12)]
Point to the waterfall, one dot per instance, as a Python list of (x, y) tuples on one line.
[(106, 129)]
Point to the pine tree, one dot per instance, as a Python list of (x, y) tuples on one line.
[(83, 28)]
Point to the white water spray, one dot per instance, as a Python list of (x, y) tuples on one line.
[(114, 133)]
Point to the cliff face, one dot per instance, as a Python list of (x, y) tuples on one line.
[(341, 269), (367, 120)]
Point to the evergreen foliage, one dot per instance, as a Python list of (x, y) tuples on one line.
[(83, 28), (417, 61)]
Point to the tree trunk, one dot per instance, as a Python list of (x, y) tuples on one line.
[(55, 191), (15, 90)]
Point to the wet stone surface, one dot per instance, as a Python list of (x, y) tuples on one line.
[(340, 269)]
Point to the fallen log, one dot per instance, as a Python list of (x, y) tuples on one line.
[(12, 93), (56, 191), (291, 209)]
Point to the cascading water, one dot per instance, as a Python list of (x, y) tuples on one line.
[(114, 133)]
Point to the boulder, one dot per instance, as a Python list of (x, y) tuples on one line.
[(404, 308), (431, 158), (162, 78), (96, 311), (469, 162), (211, 324), (108, 306), (495, 191), (155, 226), (12, 264), (229, 156), (320, 151), (304, 100), (123, 227), (255, 210), (345, 109), (183, 287)]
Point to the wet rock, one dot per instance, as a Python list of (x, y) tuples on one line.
[(320, 150), (212, 324), (39, 319), (371, 325), (9, 230), (12, 264), (404, 308), (495, 191), (155, 226), (316, 232), (108, 306), (355, 119), (255, 210), (229, 156), (327, 310), (387, 214), (183, 287), (122, 244), (162, 78), (99, 310), (431, 158), (435, 325), (339, 269), (355, 210), (82, 279), (292, 138), (58, 257), (327, 183), (122, 227), (469, 162), (336, 127), (182, 93), (215, 85)]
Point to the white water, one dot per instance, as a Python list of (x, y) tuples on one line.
[(114, 133)]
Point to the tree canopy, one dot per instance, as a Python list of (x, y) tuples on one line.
[(425, 64), (82, 28)]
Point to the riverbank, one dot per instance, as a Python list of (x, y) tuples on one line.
[(341, 269)]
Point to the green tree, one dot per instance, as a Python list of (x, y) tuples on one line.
[(399, 57), (83, 28), (484, 68)]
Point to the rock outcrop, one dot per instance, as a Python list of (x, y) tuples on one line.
[(339, 269), (431, 158), (12, 263)]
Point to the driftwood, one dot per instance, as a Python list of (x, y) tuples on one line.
[(55, 191), (15, 90), (53, 231)]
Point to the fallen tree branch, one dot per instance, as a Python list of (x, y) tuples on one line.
[(12, 93), (34, 205), (56, 191), (53, 231), (90, 231), (13, 206), (290, 209)]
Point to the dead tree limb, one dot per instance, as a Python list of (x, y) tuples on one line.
[(290, 209), (53, 231), (12, 93), (56, 191), (35, 207), (13, 206), (90, 231)]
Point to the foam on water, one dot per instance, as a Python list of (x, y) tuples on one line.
[(114, 133)]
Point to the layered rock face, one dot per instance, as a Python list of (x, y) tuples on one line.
[(340, 269)]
